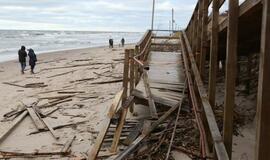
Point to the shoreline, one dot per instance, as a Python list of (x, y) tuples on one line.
[(61, 51)]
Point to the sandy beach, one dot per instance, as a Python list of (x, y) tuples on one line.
[(77, 74)]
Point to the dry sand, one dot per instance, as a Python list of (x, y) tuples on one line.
[(97, 64)]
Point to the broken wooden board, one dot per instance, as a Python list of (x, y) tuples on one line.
[(37, 121), (13, 125), (106, 123)]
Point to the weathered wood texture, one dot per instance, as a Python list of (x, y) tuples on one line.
[(123, 110), (204, 37), (263, 108), (105, 125), (231, 67), (210, 117), (213, 54)]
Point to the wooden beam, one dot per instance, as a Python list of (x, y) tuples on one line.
[(136, 68), (151, 102), (194, 34), (132, 80), (37, 121), (204, 37), (105, 125), (124, 110), (213, 55), (13, 125), (231, 67), (199, 30), (263, 103)]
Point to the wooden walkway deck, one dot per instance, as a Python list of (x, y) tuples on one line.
[(166, 78)]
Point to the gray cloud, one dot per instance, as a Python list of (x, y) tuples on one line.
[(126, 15)]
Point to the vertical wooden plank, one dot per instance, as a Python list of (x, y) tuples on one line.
[(204, 37), (125, 76), (194, 34), (263, 103), (199, 30), (213, 54), (132, 80), (124, 111), (231, 67), (136, 67)]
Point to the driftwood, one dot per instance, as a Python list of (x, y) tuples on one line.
[(59, 127), (108, 82), (6, 155), (55, 103), (68, 144), (30, 85), (61, 74), (13, 125), (51, 112), (74, 66), (70, 92), (36, 119), (51, 129), (57, 97)]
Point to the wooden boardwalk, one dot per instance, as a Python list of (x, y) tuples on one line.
[(166, 78)]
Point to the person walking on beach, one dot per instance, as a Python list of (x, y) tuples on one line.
[(111, 43), (32, 59), (123, 42), (22, 58)]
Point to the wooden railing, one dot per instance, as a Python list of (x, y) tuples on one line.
[(202, 34)]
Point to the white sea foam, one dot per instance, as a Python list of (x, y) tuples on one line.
[(43, 41)]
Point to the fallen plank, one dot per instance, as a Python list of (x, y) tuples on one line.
[(56, 136), (59, 127), (147, 131), (157, 99), (107, 82), (68, 144), (151, 102), (55, 103), (37, 121), (70, 92), (13, 125), (51, 112), (57, 97), (61, 74), (106, 123), (7, 155), (13, 84)]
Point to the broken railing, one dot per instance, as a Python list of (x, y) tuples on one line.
[(134, 69)]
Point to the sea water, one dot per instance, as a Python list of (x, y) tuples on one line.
[(47, 41)]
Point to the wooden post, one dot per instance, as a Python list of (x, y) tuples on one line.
[(136, 67), (263, 103), (199, 30), (204, 37), (194, 34), (132, 80), (231, 67), (124, 111), (213, 54)]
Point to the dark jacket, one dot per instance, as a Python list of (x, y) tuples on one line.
[(22, 55), (32, 57)]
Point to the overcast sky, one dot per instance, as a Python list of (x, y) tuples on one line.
[(94, 15)]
